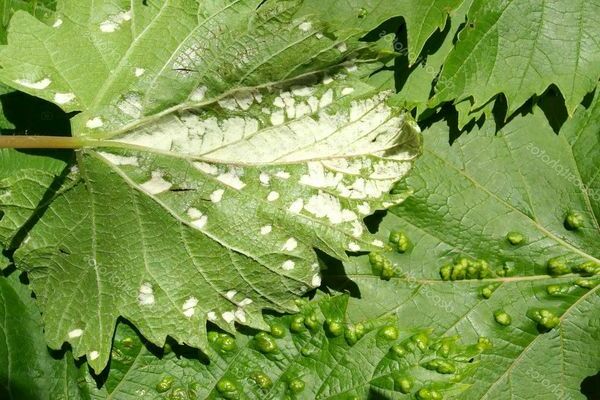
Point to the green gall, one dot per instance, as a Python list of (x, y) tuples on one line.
[(483, 344), (545, 319), (487, 291), (350, 335), (127, 342), (226, 343), (312, 321), (441, 366), (399, 350), (557, 266), (296, 385), (446, 272), (389, 332), (261, 379), (429, 394), (301, 303), (178, 394), (213, 336), (387, 272), (165, 384), (586, 283), (421, 340), (502, 317), (277, 330), (362, 13), (167, 348), (589, 268), (573, 220), (403, 384), (515, 238), (376, 260), (297, 324), (265, 343), (400, 241), (557, 290), (227, 388), (334, 328), (360, 330)]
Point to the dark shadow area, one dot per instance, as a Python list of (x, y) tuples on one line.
[(391, 26), (552, 104), (335, 277), (374, 220), (590, 387)]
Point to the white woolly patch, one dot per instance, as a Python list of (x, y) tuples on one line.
[(327, 80), (244, 100), (228, 316), (206, 168), (273, 196), (57, 23), (352, 68), (139, 72), (194, 213), (302, 91), (316, 280), (94, 355), (353, 246), (277, 118), (94, 123), (146, 295), (232, 179), (217, 195), (347, 91), (63, 98), (288, 265), (319, 178), (199, 93), (245, 302), (378, 243), (264, 179), (189, 307), (305, 26), (342, 47), (319, 36), (324, 205), (357, 229), (364, 208), (75, 333), (265, 230), (39, 85), (200, 222), (297, 206), (120, 160), (240, 315), (157, 184), (231, 294), (211, 316), (131, 105), (290, 245), (391, 170), (228, 104), (327, 99), (114, 22), (282, 175)]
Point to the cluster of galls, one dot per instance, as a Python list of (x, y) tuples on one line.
[(382, 266), (464, 268), (558, 266)]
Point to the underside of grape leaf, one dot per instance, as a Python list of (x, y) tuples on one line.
[(504, 244)]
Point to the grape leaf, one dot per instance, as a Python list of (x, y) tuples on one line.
[(312, 355), (211, 169), (521, 48), (28, 370), (469, 198)]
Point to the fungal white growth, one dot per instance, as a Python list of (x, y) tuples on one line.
[(245, 302), (327, 99), (63, 98), (232, 179), (139, 72), (194, 213), (240, 315), (228, 104), (244, 100), (319, 178), (352, 68), (378, 243), (273, 196), (277, 118), (146, 295), (199, 219), (282, 174), (209, 169), (94, 355), (290, 245), (288, 265), (305, 26), (347, 91), (297, 206), (353, 246), (119, 160), (357, 229), (327, 80), (131, 105), (217, 195), (364, 208), (211, 316), (264, 178), (324, 205), (228, 316), (114, 22), (189, 307), (231, 294), (75, 333), (302, 91), (319, 36), (199, 93), (94, 123), (157, 184), (342, 47), (316, 280), (57, 23), (265, 230), (39, 85)]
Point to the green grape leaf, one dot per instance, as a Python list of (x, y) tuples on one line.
[(520, 48), (42, 9), (28, 369), (500, 239), (312, 355), (212, 165)]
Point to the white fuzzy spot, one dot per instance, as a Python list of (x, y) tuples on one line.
[(63, 98), (131, 105), (211, 315), (319, 178), (139, 72), (94, 355), (327, 99), (273, 196), (364, 208), (114, 22), (245, 302), (316, 280), (240, 315), (157, 184), (377, 243), (39, 85), (108, 26), (146, 295), (231, 294), (277, 118), (57, 23), (120, 160), (290, 245), (228, 316), (342, 47), (327, 80), (206, 168), (288, 265), (303, 91), (264, 178), (325, 205), (199, 93), (75, 333), (305, 26), (297, 206), (94, 123), (282, 175), (352, 68), (228, 104), (353, 246), (357, 229), (265, 230), (232, 179), (347, 91), (200, 222), (189, 307), (194, 213), (217, 195)]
